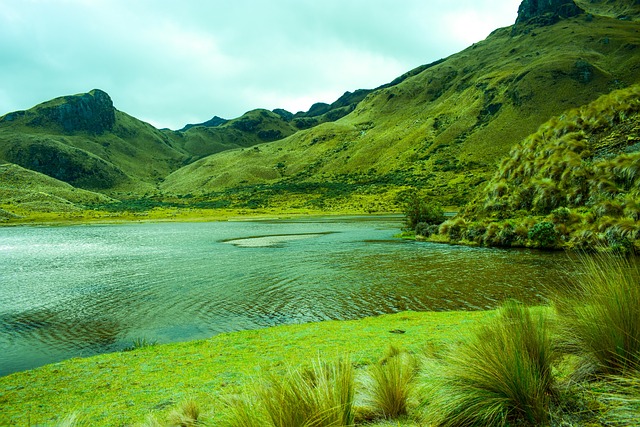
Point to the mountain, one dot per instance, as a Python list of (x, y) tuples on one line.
[(440, 129), (84, 141)]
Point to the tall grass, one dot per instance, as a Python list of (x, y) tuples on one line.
[(599, 315), (391, 382), (321, 396), (502, 373), (621, 398), (244, 411)]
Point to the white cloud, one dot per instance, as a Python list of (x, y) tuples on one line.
[(178, 62)]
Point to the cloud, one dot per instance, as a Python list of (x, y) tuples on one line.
[(171, 63)]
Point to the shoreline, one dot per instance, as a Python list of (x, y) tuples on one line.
[(159, 215), (124, 387)]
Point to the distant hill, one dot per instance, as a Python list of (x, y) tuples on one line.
[(439, 130)]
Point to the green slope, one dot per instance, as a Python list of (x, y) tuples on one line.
[(574, 183), (441, 130), (23, 191)]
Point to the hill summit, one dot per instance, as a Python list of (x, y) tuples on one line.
[(547, 11), (90, 112)]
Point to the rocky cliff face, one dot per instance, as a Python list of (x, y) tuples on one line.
[(546, 11), (91, 112)]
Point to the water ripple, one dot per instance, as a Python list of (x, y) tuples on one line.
[(69, 291)]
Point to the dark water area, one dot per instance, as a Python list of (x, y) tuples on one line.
[(84, 290)]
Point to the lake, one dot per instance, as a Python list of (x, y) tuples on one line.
[(83, 290)]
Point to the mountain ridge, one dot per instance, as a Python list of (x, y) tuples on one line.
[(438, 129)]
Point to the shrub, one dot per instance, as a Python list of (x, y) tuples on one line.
[(426, 230), (506, 236), (501, 374), (599, 314), (418, 210), (543, 235), (453, 228), (561, 215), (391, 382), (475, 232)]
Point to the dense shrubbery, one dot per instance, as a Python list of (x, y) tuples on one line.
[(418, 211), (575, 183)]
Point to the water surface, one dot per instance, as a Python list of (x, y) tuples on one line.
[(82, 290)]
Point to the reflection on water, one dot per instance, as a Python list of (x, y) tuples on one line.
[(77, 291)]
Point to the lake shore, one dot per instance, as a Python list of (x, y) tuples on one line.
[(124, 387), (173, 215)]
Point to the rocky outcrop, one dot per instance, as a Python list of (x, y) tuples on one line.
[(91, 112), (546, 12), (65, 163)]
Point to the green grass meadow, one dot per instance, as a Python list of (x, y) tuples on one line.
[(125, 387)]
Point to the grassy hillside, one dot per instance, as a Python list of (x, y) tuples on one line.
[(23, 191), (573, 183), (440, 130)]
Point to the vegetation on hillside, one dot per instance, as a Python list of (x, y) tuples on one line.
[(441, 129), (438, 128), (575, 183)]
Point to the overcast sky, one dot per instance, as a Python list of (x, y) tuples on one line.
[(172, 62)]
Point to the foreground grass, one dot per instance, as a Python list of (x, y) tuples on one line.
[(124, 388)]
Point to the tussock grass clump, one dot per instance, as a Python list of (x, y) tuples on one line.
[(188, 414), (501, 374), (244, 411), (69, 421), (600, 315), (391, 383), (621, 398), (322, 395)]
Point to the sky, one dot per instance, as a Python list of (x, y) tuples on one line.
[(171, 62)]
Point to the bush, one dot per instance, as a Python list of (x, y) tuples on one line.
[(500, 375), (453, 228), (544, 235), (418, 210), (426, 230), (599, 314)]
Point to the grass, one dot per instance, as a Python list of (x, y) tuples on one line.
[(500, 374), (320, 396), (391, 383), (124, 388), (600, 315)]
